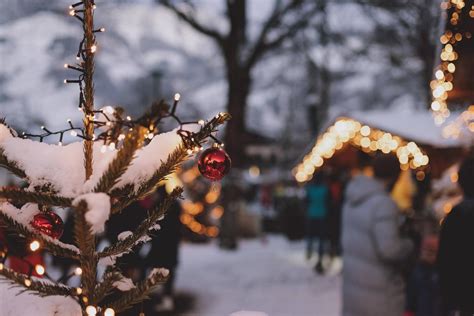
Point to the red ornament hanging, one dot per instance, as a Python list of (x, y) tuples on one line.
[(49, 223), (214, 163)]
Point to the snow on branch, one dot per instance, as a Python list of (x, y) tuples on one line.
[(98, 210), (141, 290)]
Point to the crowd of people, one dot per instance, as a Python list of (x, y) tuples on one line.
[(392, 264)]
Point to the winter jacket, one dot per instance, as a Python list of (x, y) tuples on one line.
[(317, 196), (456, 258), (373, 251)]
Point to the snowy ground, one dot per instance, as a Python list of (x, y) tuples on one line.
[(271, 277)]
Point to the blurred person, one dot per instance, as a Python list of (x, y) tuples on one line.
[(163, 252), (317, 195), (423, 296), (374, 250), (456, 258), (336, 187)]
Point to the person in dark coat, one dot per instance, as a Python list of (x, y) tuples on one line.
[(164, 245), (456, 250)]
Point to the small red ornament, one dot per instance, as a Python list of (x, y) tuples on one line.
[(214, 163), (49, 223)]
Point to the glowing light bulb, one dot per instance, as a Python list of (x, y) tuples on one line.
[(72, 12), (78, 271), (66, 65), (93, 48), (27, 282), (78, 291), (39, 269), (451, 67), (91, 310), (109, 312), (365, 130), (177, 96), (34, 245)]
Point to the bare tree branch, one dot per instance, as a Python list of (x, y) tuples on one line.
[(194, 23), (275, 21)]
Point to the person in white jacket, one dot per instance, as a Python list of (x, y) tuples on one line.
[(373, 248)]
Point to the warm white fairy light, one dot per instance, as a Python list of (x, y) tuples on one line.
[(78, 271), (109, 312), (368, 139), (91, 310), (27, 282), (177, 96), (78, 291), (40, 270), (93, 48), (34, 245)]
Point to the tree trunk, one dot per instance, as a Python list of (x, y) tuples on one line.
[(238, 82), (238, 90)]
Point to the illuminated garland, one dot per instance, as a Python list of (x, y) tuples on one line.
[(444, 73), (349, 131)]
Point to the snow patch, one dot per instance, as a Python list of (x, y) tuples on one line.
[(98, 210), (164, 272), (124, 284), (124, 235), (155, 227), (23, 215), (13, 302), (149, 158)]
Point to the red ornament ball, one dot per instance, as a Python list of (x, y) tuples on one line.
[(214, 163), (48, 223)]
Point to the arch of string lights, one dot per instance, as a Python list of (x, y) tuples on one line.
[(368, 139)]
